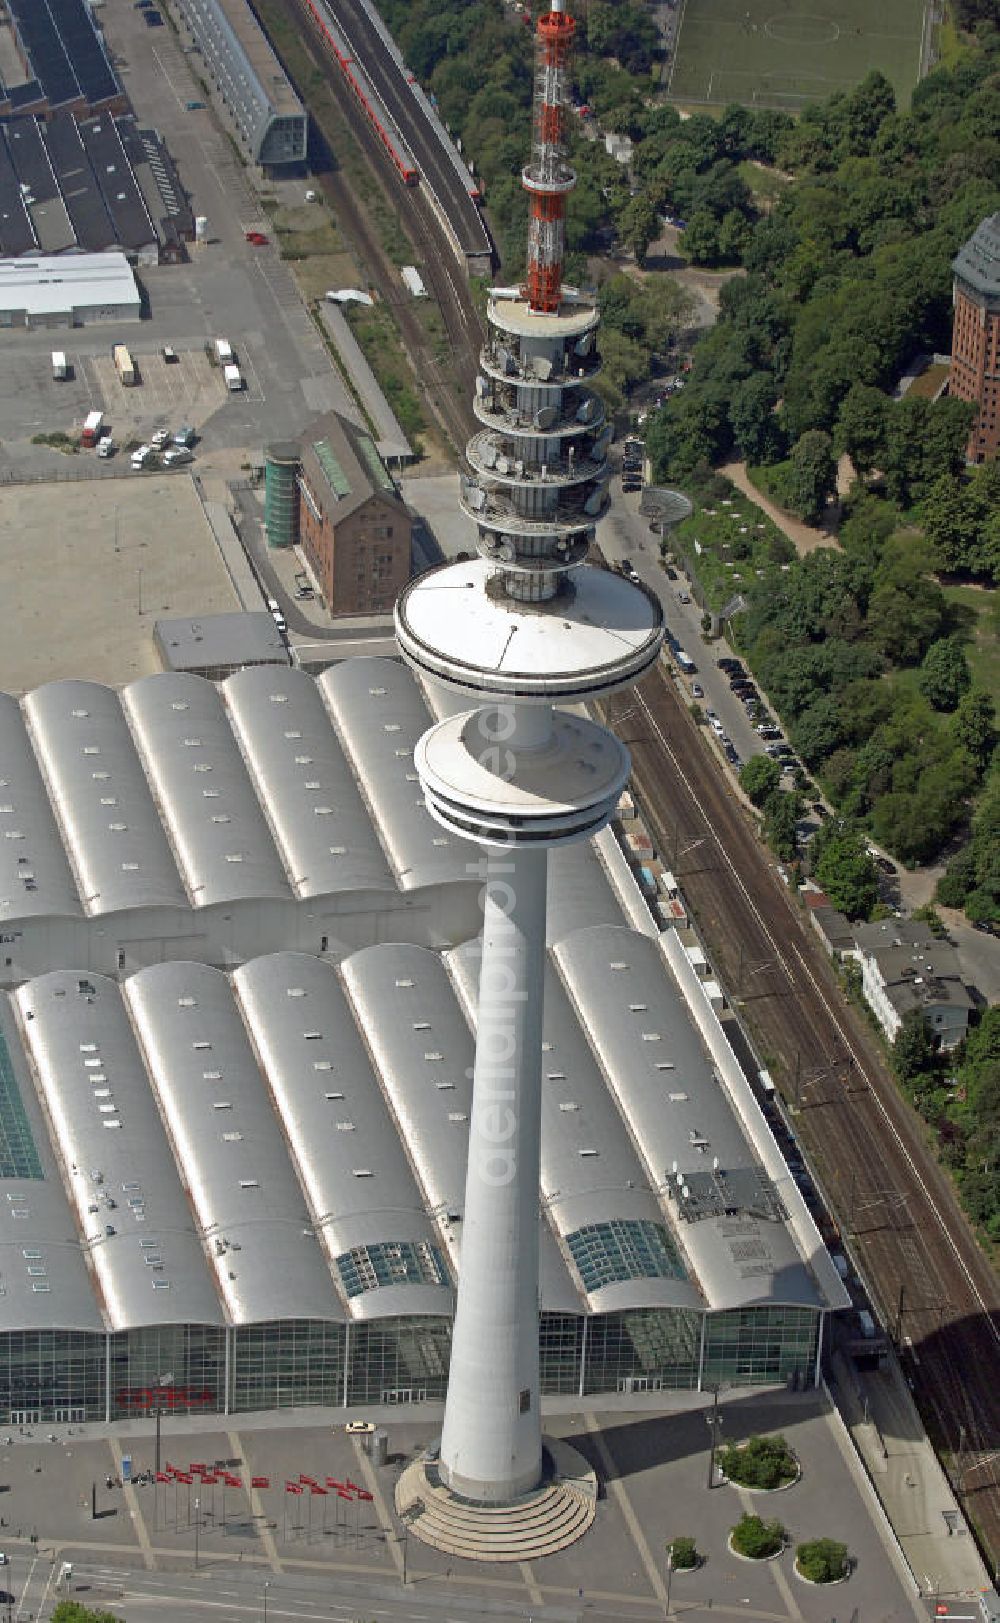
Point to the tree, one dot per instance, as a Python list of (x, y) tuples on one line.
[(760, 1462), (759, 778), (757, 1539), (914, 1049), (861, 426), (845, 870), (781, 814), (822, 1560), (973, 726), (701, 239), (71, 1611), (756, 428), (944, 674), (811, 475), (639, 225), (683, 1553)]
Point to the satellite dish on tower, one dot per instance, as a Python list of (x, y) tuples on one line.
[(541, 366), (502, 465), (546, 417), (587, 410), (507, 552), (490, 540), (476, 498), (489, 454)]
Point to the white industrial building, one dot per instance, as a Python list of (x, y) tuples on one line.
[(67, 290), (266, 115), (235, 1077)]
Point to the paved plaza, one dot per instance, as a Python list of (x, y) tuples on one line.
[(315, 1549)]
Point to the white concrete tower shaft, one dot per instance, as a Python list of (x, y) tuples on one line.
[(519, 632)]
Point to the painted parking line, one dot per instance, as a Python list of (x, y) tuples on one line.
[(256, 393)]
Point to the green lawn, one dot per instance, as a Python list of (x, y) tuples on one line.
[(727, 545), (983, 624), (783, 53)]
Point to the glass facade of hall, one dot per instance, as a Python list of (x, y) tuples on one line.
[(77, 1376)]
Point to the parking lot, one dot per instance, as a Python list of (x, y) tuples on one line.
[(229, 288), (90, 565)]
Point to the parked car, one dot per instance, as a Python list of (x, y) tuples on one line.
[(670, 572), (728, 663), (767, 730), (683, 597), (185, 436), (170, 355), (697, 691), (820, 810), (257, 238), (160, 439), (195, 106), (152, 19)]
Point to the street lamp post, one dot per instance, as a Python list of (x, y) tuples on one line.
[(197, 1530), (714, 1421), (670, 1573), (161, 1382), (267, 1585)]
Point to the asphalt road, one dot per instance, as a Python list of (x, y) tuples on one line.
[(937, 1293)]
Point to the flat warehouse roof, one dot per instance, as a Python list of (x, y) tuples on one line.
[(62, 44), (41, 285)]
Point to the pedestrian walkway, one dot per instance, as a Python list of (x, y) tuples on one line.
[(804, 537), (915, 1494)]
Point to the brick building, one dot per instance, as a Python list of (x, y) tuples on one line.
[(975, 344), (352, 525)]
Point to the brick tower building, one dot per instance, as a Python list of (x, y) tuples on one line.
[(975, 343)]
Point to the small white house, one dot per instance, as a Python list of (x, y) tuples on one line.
[(903, 967)]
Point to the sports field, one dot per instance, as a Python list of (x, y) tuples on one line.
[(783, 53)]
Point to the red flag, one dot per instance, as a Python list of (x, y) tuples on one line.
[(308, 1480), (260, 1482), (169, 1469), (352, 1485), (314, 1487), (342, 1493), (332, 1482), (162, 1476), (231, 1481), (209, 1479), (198, 1466), (293, 1487), (366, 1497), (184, 1476)]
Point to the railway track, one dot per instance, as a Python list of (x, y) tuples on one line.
[(446, 388), (936, 1292)]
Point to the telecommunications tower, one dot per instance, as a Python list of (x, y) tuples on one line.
[(519, 631)]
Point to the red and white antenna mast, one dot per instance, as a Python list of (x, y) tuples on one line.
[(548, 177)]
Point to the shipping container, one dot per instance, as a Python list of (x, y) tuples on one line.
[(124, 365), (224, 352), (92, 427), (233, 377)]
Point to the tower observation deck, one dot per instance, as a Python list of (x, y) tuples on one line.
[(520, 631)]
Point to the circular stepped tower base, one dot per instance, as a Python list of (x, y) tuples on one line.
[(554, 1515)]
